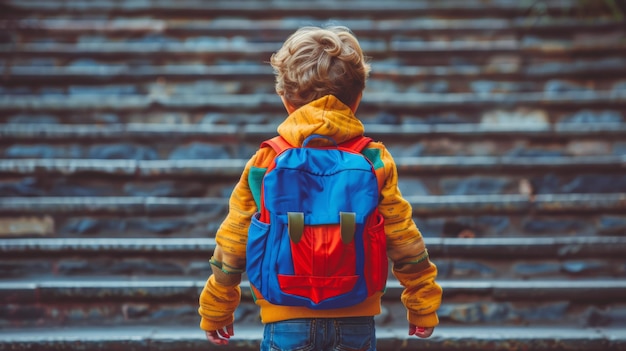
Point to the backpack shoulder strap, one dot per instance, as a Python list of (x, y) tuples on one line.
[(278, 143), (357, 144)]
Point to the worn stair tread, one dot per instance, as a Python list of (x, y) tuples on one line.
[(212, 167), (610, 68), (233, 167), (190, 337), (261, 49), (557, 247), (246, 338), (282, 28), (130, 312), (50, 290), (247, 102), (258, 132), (191, 8), (103, 72), (422, 204)]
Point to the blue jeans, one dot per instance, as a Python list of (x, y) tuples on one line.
[(322, 334)]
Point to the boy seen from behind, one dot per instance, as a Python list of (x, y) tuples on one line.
[(320, 77)]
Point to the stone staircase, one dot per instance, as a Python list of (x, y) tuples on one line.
[(125, 125)]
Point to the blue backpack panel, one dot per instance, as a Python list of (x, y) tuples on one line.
[(318, 240)]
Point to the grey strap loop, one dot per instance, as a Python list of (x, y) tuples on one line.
[(295, 226), (347, 222)]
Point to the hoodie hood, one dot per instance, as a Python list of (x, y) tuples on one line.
[(326, 116)]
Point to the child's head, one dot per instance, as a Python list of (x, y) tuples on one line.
[(315, 62)]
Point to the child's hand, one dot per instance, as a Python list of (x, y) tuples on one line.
[(220, 336), (420, 332)]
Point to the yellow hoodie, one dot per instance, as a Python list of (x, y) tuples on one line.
[(405, 246)]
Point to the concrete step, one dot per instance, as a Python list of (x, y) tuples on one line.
[(132, 313), (505, 258), (436, 216), (132, 301), (520, 115), (44, 224), (83, 289), (47, 26), (563, 130), (422, 205), (136, 300), (565, 247), (183, 338), (376, 101), (433, 176), (97, 73), (232, 168), (212, 50), (380, 38), (256, 9), (160, 88), (510, 78)]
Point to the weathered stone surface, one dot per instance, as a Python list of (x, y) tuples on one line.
[(551, 226), (519, 118), (137, 226), (478, 313), (164, 188), (42, 151), (21, 268), (199, 151), (590, 116), (188, 247), (467, 269), (26, 186), (187, 337), (26, 226), (612, 225), (29, 119), (250, 102), (112, 267), (536, 270), (258, 127), (122, 151), (474, 185)]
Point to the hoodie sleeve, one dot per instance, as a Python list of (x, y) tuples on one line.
[(407, 251), (221, 294)]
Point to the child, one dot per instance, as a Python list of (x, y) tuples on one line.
[(320, 77)]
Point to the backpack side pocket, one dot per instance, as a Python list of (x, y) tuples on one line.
[(376, 263), (256, 248)]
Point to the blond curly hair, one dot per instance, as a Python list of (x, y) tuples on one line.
[(315, 62)]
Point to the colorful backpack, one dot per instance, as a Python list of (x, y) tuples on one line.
[(318, 240)]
